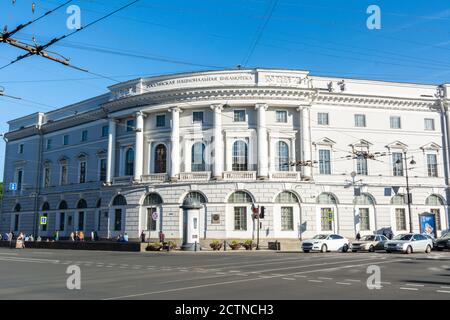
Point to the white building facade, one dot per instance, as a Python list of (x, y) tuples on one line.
[(284, 140)]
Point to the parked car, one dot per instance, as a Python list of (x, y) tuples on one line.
[(369, 243), (443, 242), (326, 242), (408, 243), (432, 238)]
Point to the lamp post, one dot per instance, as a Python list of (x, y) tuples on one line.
[(408, 194), (353, 183)]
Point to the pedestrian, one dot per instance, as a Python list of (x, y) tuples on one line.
[(10, 239), (31, 238), (161, 237), (81, 236), (92, 235), (57, 235), (72, 236), (143, 236), (125, 237), (358, 236)]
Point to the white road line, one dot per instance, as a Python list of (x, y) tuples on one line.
[(300, 276), (353, 280), (324, 278), (384, 282), (442, 287), (288, 278), (410, 289), (215, 284), (415, 285), (442, 291), (344, 283), (315, 281), (9, 254), (277, 274)]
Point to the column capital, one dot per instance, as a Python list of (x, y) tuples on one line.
[(112, 119), (217, 107), (175, 109), (303, 107), (262, 106), (141, 113)]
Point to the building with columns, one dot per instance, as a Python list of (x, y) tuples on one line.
[(283, 140)]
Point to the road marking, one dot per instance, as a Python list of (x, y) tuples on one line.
[(28, 260), (288, 279), (215, 284), (315, 281), (300, 276), (10, 254), (415, 285), (442, 287), (220, 273), (344, 283), (353, 280), (324, 278), (442, 291), (277, 274), (410, 289)]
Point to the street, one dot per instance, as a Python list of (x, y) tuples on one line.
[(41, 274)]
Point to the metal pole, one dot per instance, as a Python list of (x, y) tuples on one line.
[(257, 232), (408, 194)]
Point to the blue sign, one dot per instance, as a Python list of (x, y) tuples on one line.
[(13, 186), (43, 220), (428, 224)]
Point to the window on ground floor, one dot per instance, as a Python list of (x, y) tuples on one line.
[(118, 220), (326, 218), (287, 218), (364, 219), (437, 215), (400, 219), (81, 220), (62, 218), (240, 218), (151, 223), (16, 222)]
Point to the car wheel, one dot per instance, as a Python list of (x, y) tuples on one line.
[(324, 248), (371, 249), (408, 250), (345, 248), (306, 251), (428, 249)]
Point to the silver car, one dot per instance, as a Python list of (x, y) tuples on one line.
[(408, 243)]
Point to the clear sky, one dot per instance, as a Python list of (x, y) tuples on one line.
[(326, 37)]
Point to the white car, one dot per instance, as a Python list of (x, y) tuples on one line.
[(408, 243), (326, 242)]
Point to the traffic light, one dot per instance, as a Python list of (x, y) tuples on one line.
[(261, 213)]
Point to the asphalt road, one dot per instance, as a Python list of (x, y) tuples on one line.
[(41, 274)]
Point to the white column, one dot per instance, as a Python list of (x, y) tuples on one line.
[(111, 161), (218, 142), (306, 139), (139, 147), (263, 152), (292, 155), (175, 144), (272, 154)]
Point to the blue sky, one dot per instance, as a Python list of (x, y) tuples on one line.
[(326, 37)]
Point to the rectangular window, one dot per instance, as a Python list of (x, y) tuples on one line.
[(83, 172), (103, 170), (46, 176), (105, 131), (63, 174), (81, 220), (20, 149), (432, 165), (118, 220), (44, 226), (62, 218), (49, 144), (429, 124), (197, 117), (396, 122), (130, 125), (16, 222), (364, 219), (66, 140), (239, 116), (84, 135), (400, 219), (281, 116), (324, 162), (361, 165), (19, 179), (161, 120), (240, 218), (397, 164), (287, 219), (437, 215), (326, 219), (151, 224), (360, 120), (322, 119)]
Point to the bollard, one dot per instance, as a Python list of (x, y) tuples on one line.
[(195, 249), (224, 245)]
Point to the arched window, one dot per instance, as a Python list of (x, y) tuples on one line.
[(364, 199), (197, 196), (240, 156), (198, 157), (326, 198), (160, 159), (286, 197), (119, 200), (82, 204), (152, 199), (46, 206), (129, 162), (63, 205), (434, 200), (399, 200), (17, 208), (240, 197), (99, 203), (282, 156)]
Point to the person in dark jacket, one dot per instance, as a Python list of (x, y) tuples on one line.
[(358, 237)]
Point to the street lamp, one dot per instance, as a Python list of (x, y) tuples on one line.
[(408, 194), (353, 183)]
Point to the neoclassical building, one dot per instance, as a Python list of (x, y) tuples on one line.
[(319, 154)]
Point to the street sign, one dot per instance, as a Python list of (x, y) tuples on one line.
[(155, 215), (13, 186), (43, 221)]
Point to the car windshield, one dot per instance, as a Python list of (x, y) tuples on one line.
[(403, 237), (368, 238), (321, 236)]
